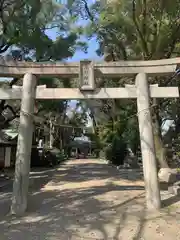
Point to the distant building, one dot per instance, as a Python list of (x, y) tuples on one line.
[(8, 144)]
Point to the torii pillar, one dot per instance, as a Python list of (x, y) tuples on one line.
[(24, 145), (153, 199)]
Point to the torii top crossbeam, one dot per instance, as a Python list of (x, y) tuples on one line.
[(110, 69)]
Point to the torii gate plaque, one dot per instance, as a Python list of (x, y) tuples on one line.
[(87, 71)]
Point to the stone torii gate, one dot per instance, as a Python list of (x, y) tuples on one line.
[(87, 71)]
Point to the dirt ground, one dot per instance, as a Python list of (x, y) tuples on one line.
[(88, 199)]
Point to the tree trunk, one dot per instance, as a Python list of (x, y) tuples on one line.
[(160, 150), (60, 143), (159, 146), (51, 137)]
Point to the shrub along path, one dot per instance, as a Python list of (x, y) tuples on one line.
[(88, 199)]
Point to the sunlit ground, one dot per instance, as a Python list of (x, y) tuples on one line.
[(87, 199)]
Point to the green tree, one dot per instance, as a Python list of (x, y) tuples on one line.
[(139, 30), (24, 26), (21, 21)]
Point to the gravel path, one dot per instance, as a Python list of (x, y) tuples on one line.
[(88, 199)]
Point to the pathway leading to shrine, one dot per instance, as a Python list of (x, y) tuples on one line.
[(88, 199)]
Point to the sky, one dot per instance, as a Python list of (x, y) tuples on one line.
[(79, 55)]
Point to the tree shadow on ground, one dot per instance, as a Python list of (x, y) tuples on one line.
[(170, 201), (68, 214), (79, 214), (90, 171), (38, 178), (70, 209)]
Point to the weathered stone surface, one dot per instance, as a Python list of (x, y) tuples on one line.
[(167, 175)]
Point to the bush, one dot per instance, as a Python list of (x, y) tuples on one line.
[(58, 155), (117, 151)]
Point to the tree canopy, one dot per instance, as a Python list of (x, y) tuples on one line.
[(125, 30), (137, 30), (24, 37)]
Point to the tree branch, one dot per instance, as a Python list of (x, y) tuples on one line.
[(144, 17), (143, 41), (175, 38), (87, 10)]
